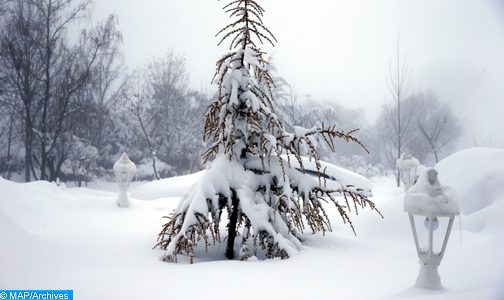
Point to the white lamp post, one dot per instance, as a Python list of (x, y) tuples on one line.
[(438, 204), (124, 170), (407, 166)]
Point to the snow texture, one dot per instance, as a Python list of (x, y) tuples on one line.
[(427, 197), (77, 238), (343, 176), (168, 187), (476, 174)]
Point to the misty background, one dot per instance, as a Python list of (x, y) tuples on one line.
[(341, 50), (100, 78)]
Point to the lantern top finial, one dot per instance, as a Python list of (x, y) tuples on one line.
[(428, 197), (124, 164)]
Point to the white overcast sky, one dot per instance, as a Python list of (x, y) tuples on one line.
[(340, 50)]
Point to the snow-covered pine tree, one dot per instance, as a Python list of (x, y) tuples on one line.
[(257, 174)]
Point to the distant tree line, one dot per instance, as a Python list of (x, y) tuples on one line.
[(46, 81), (69, 107), (427, 128), (67, 103)]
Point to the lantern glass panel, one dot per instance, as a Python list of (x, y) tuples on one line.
[(408, 176), (123, 179), (422, 232), (440, 225), (440, 233)]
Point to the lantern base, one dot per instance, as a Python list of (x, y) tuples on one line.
[(122, 199), (428, 277)]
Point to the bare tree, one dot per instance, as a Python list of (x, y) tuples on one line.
[(139, 110), (7, 114), (166, 111), (54, 19), (166, 84), (192, 147), (289, 107), (45, 73), (3, 6), (399, 84), (7, 137), (21, 70), (430, 127), (66, 70), (387, 135), (76, 72), (100, 97), (438, 125), (108, 84)]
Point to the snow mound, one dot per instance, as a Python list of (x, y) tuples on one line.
[(165, 188), (477, 175), (334, 173), (9, 230), (80, 239)]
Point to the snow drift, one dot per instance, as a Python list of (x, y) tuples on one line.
[(476, 174), (77, 238), (168, 187)]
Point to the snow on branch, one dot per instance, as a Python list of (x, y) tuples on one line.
[(270, 182)]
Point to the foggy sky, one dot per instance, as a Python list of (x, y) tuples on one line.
[(340, 50)]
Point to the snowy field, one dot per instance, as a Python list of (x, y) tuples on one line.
[(77, 238)]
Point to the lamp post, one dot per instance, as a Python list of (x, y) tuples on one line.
[(124, 170), (438, 205), (407, 166)]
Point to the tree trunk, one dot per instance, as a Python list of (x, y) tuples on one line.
[(398, 177), (9, 164), (233, 220), (47, 93), (54, 166), (43, 161), (156, 174), (146, 135), (28, 150), (50, 167), (32, 167)]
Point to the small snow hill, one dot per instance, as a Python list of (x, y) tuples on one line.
[(477, 175), (166, 188)]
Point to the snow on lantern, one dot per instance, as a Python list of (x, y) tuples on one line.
[(438, 205), (124, 170), (407, 166)]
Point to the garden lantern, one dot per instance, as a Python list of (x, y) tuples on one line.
[(407, 166), (436, 206), (124, 170)]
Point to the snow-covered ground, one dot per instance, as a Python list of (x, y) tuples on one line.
[(77, 238)]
